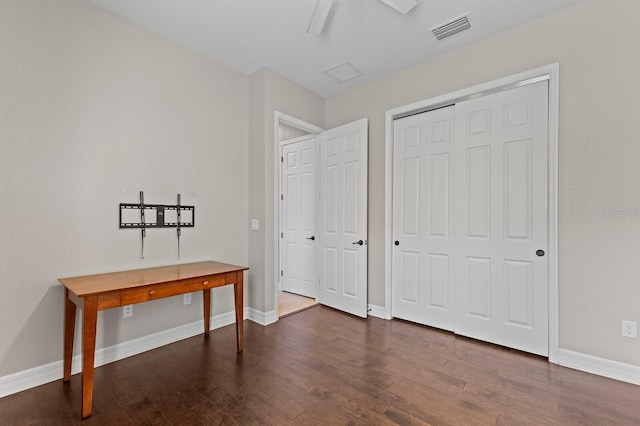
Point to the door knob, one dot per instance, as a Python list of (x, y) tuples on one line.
[(312, 238), (397, 243), (360, 242), (540, 253)]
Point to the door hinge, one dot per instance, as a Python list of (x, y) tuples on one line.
[(282, 197), (282, 235), (281, 273), (282, 159)]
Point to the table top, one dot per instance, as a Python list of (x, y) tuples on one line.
[(113, 281)]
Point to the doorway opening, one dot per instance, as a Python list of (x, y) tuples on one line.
[(321, 210), (287, 130)]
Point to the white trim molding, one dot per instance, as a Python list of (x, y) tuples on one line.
[(550, 72), (40, 375), (376, 311), (600, 366), (259, 317)]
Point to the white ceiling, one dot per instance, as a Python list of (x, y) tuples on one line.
[(250, 34)]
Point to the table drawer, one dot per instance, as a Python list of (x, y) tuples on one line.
[(159, 291)]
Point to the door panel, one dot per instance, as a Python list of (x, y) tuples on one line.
[(518, 186), (438, 283), (343, 218), (439, 195), (478, 186), (518, 279), (479, 288), (299, 195), (501, 195), (410, 276), (423, 216)]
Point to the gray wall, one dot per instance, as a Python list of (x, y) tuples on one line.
[(596, 44), (93, 110)]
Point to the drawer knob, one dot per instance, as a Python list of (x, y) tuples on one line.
[(206, 283), (152, 293)]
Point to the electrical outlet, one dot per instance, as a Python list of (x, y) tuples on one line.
[(127, 311), (629, 329), (186, 298)]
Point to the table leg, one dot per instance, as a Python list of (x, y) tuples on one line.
[(239, 287), (69, 331), (206, 302), (89, 323)]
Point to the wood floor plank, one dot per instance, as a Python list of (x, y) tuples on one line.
[(51, 411), (22, 408)]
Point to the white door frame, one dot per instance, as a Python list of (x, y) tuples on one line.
[(278, 118), (550, 72)]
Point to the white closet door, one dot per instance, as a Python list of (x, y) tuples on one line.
[(342, 221), (423, 218), (501, 218), (298, 217)]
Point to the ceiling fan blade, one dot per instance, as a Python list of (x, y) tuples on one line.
[(402, 6), (319, 16)]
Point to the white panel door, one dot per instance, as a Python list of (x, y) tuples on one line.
[(342, 224), (299, 196), (501, 218), (423, 218)]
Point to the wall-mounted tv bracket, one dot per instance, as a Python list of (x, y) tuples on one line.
[(157, 210)]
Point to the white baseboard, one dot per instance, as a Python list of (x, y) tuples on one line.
[(40, 375), (600, 366), (376, 311), (259, 317), (31, 378)]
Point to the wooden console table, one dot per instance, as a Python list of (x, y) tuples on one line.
[(93, 293)]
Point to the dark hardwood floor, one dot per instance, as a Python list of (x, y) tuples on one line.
[(323, 367)]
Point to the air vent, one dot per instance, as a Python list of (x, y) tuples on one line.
[(342, 72), (451, 28)]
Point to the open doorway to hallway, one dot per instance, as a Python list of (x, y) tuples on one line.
[(293, 293)]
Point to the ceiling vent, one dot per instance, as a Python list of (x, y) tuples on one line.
[(451, 28)]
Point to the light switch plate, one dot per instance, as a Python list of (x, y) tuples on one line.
[(255, 224)]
